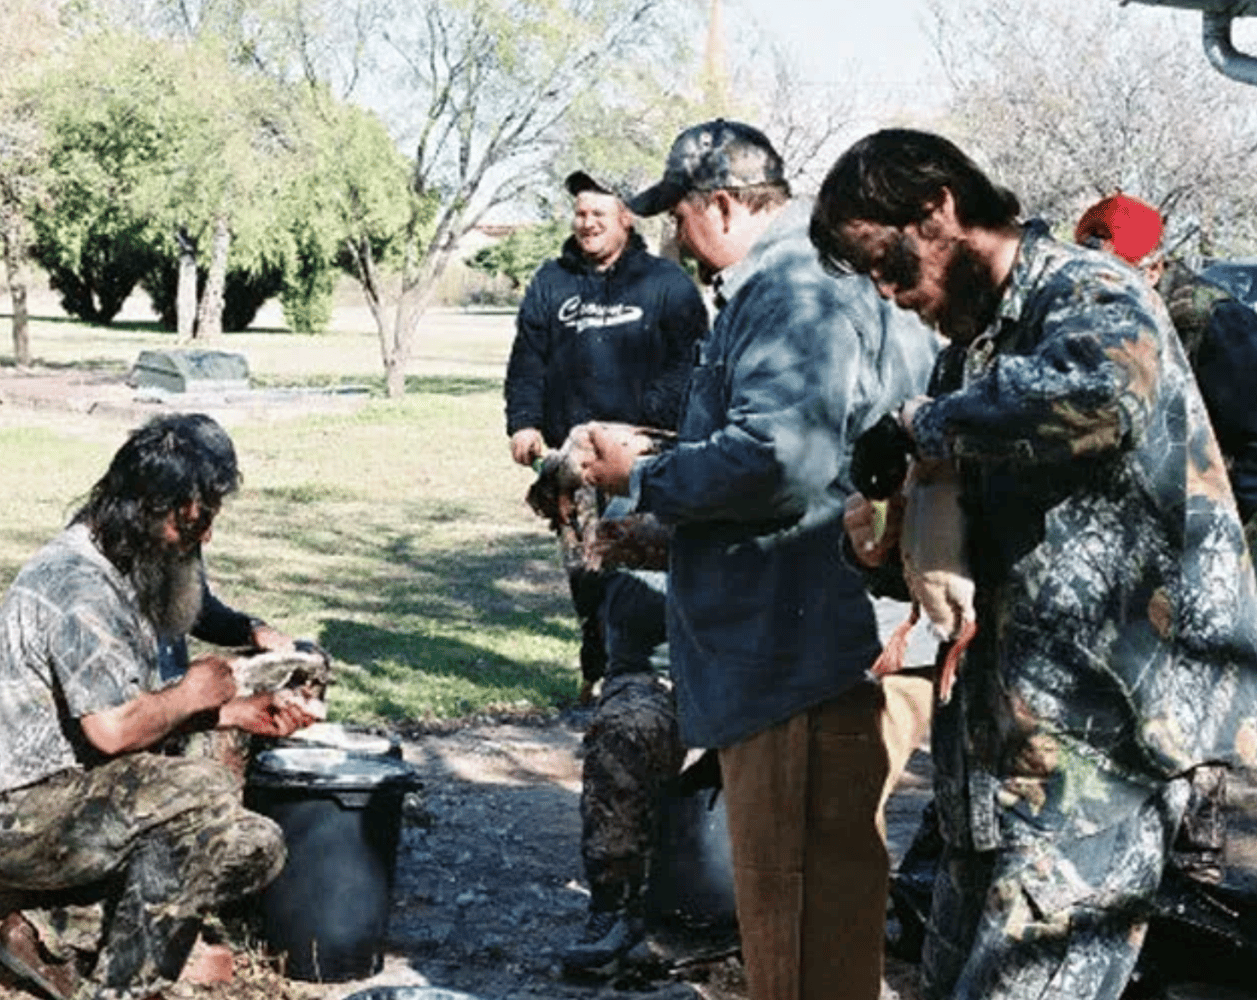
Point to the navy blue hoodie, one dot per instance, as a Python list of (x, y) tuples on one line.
[(612, 345)]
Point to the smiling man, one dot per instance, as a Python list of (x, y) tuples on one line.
[(605, 332), (1116, 646)]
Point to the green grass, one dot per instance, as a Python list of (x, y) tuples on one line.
[(395, 535)]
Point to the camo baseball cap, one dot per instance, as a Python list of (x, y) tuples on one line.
[(709, 157)]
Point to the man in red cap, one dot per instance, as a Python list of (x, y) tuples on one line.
[(1219, 336), (1218, 332)]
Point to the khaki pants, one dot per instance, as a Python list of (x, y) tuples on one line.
[(805, 805)]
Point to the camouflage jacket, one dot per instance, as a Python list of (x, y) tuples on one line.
[(72, 642), (1117, 610)]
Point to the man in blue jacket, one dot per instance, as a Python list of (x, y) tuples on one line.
[(605, 332), (770, 632)]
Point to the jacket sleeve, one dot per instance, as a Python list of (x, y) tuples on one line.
[(1224, 366), (683, 322), (220, 624), (1085, 385), (530, 355)]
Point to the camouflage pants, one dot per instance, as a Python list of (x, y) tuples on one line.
[(1049, 920), (160, 840), (632, 750)]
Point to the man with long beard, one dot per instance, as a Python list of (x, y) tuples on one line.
[(89, 807), (1116, 646)]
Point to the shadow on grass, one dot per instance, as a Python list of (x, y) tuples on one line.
[(118, 326), (416, 385), (97, 365), (451, 385), (429, 629), (153, 325), (382, 574), (406, 674)]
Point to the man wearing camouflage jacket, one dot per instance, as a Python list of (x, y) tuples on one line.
[(1219, 336), (1116, 607), (91, 810)]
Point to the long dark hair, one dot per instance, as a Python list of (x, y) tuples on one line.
[(895, 177), (163, 467)]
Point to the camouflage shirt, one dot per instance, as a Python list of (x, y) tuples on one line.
[(72, 642), (1117, 613)]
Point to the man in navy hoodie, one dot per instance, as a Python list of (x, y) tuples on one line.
[(606, 331)]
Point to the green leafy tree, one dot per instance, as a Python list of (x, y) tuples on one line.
[(484, 94), (103, 139), (481, 92), (517, 255), (361, 215), (244, 292), (160, 151)]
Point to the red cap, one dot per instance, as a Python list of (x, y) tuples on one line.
[(1124, 225)]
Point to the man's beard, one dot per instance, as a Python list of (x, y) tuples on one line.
[(971, 299), (169, 587)]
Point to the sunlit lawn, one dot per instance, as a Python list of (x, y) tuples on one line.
[(395, 535)]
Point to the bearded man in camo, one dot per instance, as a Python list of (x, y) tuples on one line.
[(90, 810), (1116, 646)]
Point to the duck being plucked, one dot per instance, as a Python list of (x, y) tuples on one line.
[(931, 543)]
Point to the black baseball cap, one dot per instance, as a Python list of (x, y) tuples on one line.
[(578, 182)]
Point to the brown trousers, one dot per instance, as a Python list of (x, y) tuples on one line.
[(805, 805)]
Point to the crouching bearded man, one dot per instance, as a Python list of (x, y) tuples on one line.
[(90, 808)]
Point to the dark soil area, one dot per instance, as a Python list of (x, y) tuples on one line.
[(489, 887)]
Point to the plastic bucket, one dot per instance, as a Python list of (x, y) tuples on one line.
[(341, 817)]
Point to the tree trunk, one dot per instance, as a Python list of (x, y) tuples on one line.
[(209, 320), (392, 334), (185, 296), (15, 261), (397, 357), (394, 378)]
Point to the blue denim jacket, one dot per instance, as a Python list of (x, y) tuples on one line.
[(765, 619)]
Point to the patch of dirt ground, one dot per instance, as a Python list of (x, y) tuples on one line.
[(489, 886)]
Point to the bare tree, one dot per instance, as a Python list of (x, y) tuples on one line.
[(27, 30), (1070, 100), (805, 120), (481, 93)]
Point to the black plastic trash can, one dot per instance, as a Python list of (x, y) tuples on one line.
[(341, 817)]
